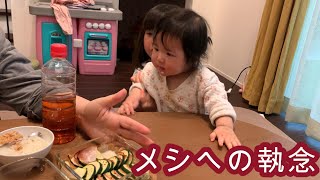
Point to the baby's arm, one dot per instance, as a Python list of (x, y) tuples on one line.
[(221, 112), (147, 103), (131, 102), (138, 98)]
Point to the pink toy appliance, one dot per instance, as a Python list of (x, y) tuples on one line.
[(98, 54), (48, 32), (93, 45)]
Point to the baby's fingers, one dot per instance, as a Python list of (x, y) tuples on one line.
[(230, 143), (236, 141), (221, 140), (212, 136), (128, 108), (120, 110)]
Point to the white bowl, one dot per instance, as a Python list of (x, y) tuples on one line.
[(47, 135)]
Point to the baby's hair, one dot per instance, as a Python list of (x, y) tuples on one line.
[(191, 29), (150, 20)]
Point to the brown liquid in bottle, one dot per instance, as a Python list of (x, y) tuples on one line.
[(59, 115)]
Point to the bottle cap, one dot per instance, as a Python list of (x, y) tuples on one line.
[(58, 50)]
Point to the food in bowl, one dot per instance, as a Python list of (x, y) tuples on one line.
[(23, 147), (14, 143), (10, 137)]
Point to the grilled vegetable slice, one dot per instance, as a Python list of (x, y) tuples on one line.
[(116, 162), (108, 176), (98, 167), (125, 154), (81, 171), (130, 159), (121, 160), (121, 172), (74, 160), (115, 174), (91, 171), (105, 165), (100, 177), (126, 168)]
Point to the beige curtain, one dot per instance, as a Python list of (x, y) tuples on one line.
[(303, 91), (278, 36)]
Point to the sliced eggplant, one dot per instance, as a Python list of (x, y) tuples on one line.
[(82, 172), (116, 162), (91, 171), (125, 154), (121, 172), (112, 165), (98, 167), (115, 174), (100, 177), (108, 176), (122, 159), (105, 165), (130, 158), (69, 164), (126, 168), (74, 160)]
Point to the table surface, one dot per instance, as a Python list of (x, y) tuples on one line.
[(191, 132)]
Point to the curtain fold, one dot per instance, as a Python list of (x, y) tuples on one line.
[(279, 32)]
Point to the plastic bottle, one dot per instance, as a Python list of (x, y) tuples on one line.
[(59, 95)]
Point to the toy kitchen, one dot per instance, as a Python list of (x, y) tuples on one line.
[(93, 44)]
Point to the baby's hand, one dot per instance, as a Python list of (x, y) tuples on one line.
[(129, 105), (225, 135), (137, 76)]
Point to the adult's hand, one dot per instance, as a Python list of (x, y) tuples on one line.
[(96, 118)]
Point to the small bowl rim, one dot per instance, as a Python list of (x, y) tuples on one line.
[(50, 143)]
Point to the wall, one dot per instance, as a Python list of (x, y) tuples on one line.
[(23, 25), (3, 20), (234, 26)]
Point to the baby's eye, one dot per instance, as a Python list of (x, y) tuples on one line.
[(170, 54), (149, 33), (155, 48)]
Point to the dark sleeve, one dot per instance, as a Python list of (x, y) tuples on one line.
[(20, 85)]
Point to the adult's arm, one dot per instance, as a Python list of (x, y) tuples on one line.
[(20, 84)]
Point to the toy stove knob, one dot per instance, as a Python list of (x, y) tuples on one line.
[(95, 25), (101, 26), (108, 26), (89, 25)]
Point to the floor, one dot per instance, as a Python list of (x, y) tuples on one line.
[(92, 87)]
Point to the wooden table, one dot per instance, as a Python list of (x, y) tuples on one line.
[(190, 132)]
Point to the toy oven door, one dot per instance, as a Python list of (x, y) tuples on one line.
[(97, 46)]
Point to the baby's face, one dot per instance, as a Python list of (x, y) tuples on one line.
[(147, 42), (168, 56)]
